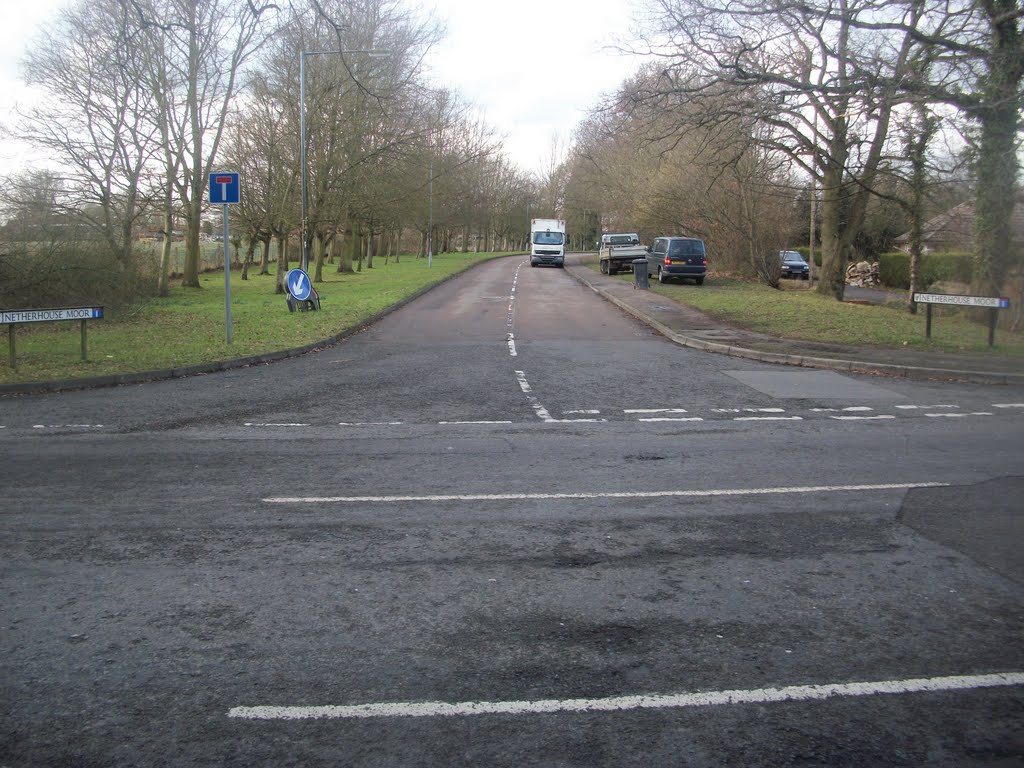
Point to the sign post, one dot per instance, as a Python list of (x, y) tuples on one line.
[(993, 303), (12, 318), (225, 190)]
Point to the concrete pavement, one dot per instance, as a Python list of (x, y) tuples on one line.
[(689, 327)]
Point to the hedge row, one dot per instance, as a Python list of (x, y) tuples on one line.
[(894, 269)]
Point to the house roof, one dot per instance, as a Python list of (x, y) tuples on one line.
[(955, 226)]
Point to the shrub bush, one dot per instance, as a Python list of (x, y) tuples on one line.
[(894, 269), (53, 274)]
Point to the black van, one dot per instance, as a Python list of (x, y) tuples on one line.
[(682, 257)]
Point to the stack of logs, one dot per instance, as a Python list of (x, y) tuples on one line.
[(863, 274)]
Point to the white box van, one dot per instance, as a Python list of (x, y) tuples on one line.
[(547, 242)]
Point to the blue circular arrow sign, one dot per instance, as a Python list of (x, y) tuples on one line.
[(299, 285)]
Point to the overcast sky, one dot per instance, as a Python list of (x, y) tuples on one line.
[(532, 67)]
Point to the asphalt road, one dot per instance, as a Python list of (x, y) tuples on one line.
[(509, 525)]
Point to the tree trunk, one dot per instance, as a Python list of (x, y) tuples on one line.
[(265, 253), (833, 245), (282, 264), (996, 166), (163, 281), (249, 250), (318, 258)]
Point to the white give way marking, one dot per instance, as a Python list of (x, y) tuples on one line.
[(626, 703)]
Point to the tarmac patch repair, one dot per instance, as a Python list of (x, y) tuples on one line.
[(811, 384)]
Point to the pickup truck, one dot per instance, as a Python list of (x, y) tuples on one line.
[(618, 250)]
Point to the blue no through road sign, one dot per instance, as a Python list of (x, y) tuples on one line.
[(225, 189), (299, 285)]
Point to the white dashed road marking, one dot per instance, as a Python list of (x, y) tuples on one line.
[(629, 703)]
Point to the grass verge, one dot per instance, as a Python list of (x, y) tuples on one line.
[(798, 313), (189, 326)]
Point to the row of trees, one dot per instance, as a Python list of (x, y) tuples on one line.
[(744, 101), (741, 103), (147, 97)]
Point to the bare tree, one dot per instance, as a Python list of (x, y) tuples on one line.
[(99, 125), (201, 48)]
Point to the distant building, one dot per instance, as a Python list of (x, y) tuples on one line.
[(954, 229)]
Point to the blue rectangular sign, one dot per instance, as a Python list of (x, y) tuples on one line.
[(225, 189)]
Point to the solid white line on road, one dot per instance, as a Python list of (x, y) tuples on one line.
[(629, 703), (608, 495), (844, 410), (271, 424), (449, 423), (768, 418), (67, 426), (748, 410), (862, 418), (654, 410), (670, 418), (957, 415)]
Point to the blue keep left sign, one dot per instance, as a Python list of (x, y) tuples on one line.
[(299, 284), (225, 189)]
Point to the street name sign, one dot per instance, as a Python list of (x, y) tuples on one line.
[(992, 303), (962, 301), (12, 318), (49, 315)]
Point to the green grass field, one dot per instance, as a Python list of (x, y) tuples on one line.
[(189, 328)]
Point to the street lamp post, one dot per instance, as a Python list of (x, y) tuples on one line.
[(372, 52)]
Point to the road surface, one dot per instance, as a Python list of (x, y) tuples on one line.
[(508, 525)]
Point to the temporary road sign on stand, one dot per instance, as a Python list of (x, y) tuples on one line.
[(299, 285), (301, 293)]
